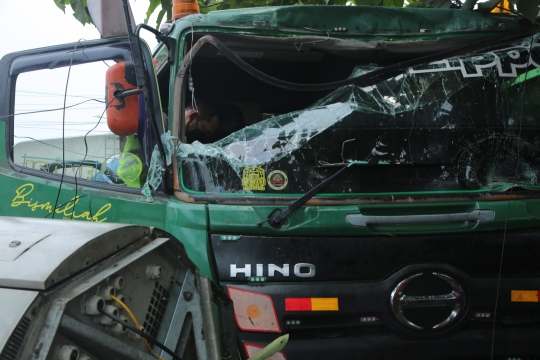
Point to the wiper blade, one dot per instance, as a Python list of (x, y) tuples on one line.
[(278, 220)]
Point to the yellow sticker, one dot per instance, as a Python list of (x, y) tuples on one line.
[(524, 296), (253, 178), (277, 180)]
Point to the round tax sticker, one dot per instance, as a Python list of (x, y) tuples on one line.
[(277, 180)]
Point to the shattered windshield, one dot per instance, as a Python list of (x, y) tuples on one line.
[(456, 125)]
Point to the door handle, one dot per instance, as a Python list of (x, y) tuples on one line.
[(474, 216)]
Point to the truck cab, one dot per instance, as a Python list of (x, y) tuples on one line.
[(372, 189)]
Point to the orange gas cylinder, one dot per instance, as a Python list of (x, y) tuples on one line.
[(122, 112)]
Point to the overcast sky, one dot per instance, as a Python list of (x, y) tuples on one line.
[(27, 24)]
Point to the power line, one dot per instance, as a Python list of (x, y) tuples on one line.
[(54, 94)]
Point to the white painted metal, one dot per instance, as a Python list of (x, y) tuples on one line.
[(14, 243), (32, 268), (14, 305)]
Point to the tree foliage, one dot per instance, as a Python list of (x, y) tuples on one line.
[(526, 8), (80, 10)]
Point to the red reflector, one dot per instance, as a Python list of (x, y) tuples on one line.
[(298, 304), (311, 304)]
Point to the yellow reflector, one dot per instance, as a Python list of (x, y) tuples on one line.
[(324, 304), (524, 296)]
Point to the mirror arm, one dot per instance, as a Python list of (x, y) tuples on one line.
[(169, 42), (123, 94)]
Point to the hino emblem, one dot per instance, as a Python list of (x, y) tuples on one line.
[(299, 270), (399, 301)]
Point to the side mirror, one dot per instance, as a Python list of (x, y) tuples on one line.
[(122, 99)]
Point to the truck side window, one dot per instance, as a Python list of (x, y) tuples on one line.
[(60, 126)]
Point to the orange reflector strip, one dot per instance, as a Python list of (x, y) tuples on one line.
[(311, 304), (324, 304), (524, 295)]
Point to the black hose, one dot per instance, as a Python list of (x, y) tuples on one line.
[(362, 80), (139, 332)]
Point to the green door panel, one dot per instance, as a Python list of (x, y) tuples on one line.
[(31, 196), (188, 223)]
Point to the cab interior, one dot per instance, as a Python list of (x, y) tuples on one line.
[(244, 100)]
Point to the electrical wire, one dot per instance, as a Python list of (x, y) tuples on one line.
[(82, 163), (74, 200), (144, 335), (64, 130), (141, 333), (86, 155), (54, 129), (76, 197), (49, 94), (48, 110), (50, 145), (193, 102), (361, 80), (299, 48), (508, 205)]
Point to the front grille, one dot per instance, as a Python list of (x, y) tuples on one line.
[(156, 309), (15, 341)]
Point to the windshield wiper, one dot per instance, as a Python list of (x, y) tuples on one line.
[(277, 221)]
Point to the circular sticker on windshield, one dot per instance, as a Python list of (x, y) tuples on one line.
[(277, 180)]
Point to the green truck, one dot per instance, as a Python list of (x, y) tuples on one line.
[(372, 189)]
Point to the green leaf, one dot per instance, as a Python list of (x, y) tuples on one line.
[(167, 5), (160, 17), (337, 2), (393, 3), (418, 5), (271, 348), (369, 2), (224, 5), (62, 4), (206, 10), (79, 11), (235, 4), (529, 9), (151, 8)]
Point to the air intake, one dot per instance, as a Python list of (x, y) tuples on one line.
[(15, 341)]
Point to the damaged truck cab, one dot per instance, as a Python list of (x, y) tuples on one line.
[(372, 189)]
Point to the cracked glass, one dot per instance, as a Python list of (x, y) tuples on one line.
[(464, 124)]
